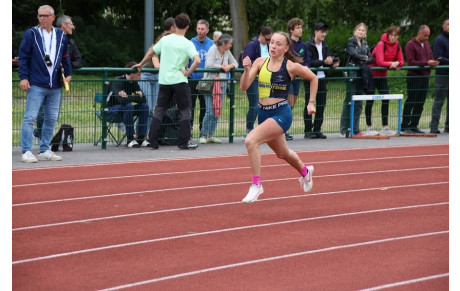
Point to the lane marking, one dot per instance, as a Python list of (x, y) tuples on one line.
[(220, 204), (218, 185), (214, 170), (407, 282), (269, 259), (84, 251)]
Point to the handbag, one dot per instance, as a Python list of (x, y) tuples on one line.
[(204, 86)]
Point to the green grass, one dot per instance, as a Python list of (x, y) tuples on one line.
[(78, 109)]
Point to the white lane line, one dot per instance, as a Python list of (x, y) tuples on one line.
[(221, 204), (407, 282), (213, 170), (218, 185), (269, 259), (224, 230), (216, 157)]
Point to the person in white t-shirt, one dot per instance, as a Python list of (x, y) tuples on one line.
[(175, 50)]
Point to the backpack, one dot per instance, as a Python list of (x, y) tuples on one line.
[(169, 129), (64, 136)]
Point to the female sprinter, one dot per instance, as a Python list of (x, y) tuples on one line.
[(275, 116)]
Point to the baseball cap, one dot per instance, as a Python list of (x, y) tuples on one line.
[(320, 25)]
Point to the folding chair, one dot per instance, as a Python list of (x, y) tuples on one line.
[(115, 127)]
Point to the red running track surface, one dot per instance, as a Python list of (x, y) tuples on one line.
[(375, 218)]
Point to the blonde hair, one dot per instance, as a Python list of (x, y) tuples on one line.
[(360, 25)]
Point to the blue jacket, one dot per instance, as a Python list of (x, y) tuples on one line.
[(301, 50), (32, 65), (441, 49), (252, 49), (202, 48)]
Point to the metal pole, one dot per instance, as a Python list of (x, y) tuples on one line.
[(148, 24)]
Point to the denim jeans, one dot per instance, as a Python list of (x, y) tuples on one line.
[(150, 89), (253, 98), (129, 111), (209, 120), (51, 99)]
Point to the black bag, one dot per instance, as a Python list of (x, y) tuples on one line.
[(169, 130), (204, 86), (64, 136)]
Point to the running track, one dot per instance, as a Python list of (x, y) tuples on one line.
[(375, 219)]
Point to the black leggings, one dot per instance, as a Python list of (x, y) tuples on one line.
[(382, 87)]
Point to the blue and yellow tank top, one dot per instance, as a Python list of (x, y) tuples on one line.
[(274, 84)]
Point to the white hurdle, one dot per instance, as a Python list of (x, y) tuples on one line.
[(375, 97)]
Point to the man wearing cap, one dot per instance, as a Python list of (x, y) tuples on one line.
[(320, 57)]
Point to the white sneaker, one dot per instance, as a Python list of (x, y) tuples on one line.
[(254, 193), (203, 140), (387, 131), (214, 140), (134, 144), (371, 132), (28, 157), (307, 182), (145, 143), (48, 156)]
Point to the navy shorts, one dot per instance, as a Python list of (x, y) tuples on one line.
[(281, 112)]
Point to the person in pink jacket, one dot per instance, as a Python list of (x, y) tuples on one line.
[(387, 53)]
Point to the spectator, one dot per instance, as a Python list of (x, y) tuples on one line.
[(441, 91), (149, 83), (275, 116), (257, 47), (387, 53), (319, 56), (219, 56), (215, 36), (418, 53), (127, 98), (175, 51), (202, 44), (359, 55), (43, 48), (66, 25), (299, 48)]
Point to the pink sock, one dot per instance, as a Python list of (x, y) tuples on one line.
[(304, 171), (256, 180)]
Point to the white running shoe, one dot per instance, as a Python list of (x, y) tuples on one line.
[(371, 132), (307, 182), (48, 156), (213, 140), (254, 193), (145, 143), (387, 131), (28, 157), (202, 140), (134, 144)]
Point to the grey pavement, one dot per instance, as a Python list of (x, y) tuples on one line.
[(90, 154)]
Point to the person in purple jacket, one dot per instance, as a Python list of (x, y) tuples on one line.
[(418, 53), (42, 51)]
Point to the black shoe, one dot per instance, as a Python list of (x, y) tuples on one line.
[(320, 135), (288, 137), (435, 131), (188, 146), (310, 135), (416, 130), (408, 131), (153, 146)]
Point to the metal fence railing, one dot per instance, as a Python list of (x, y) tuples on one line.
[(80, 110)]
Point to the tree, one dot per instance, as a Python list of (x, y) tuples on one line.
[(239, 25)]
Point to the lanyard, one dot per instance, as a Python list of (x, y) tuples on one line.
[(43, 41)]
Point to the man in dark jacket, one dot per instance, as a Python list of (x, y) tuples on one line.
[(320, 56), (66, 25), (441, 91), (418, 53), (42, 51), (257, 47), (126, 98)]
